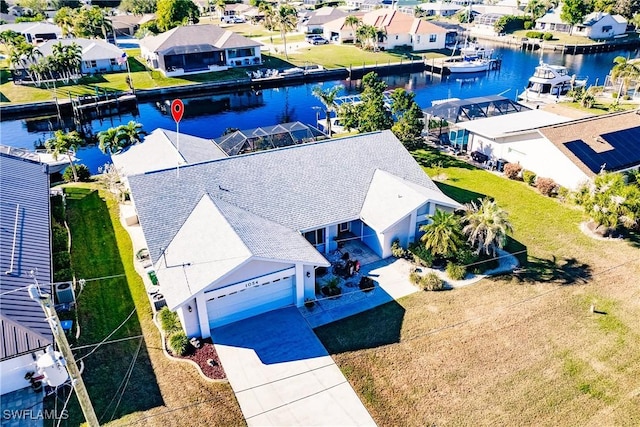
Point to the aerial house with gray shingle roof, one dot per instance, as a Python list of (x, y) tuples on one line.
[(196, 49), (235, 237)]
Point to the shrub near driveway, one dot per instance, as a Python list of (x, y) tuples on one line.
[(497, 352)]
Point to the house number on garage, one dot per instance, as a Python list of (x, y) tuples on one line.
[(251, 284)]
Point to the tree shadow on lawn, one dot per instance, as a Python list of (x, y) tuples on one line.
[(460, 195), (372, 328), (568, 271), (432, 158), (102, 307)]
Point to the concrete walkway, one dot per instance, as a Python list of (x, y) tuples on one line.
[(283, 376)]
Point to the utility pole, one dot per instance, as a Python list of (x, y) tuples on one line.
[(58, 334)]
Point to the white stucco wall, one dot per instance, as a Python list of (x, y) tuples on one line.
[(13, 371), (421, 42), (189, 320), (399, 231), (534, 153)]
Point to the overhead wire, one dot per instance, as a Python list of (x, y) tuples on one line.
[(108, 336)]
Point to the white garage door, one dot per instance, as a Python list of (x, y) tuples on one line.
[(239, 304)]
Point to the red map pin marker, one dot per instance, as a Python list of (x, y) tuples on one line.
[(177, 110)]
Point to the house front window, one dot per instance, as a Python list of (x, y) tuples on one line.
[(113, 61), (90, 64), (607, 28), (432, 38), (344, 227), (315, 237)]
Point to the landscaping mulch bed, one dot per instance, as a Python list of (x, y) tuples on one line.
[(202, 355)]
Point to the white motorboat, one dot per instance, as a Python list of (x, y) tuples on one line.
[(472, 51), (52, 164), (470, 66), (551, 81)]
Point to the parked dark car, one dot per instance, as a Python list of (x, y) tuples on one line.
[(479, 157)]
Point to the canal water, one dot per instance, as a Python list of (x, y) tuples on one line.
[(209, 116)]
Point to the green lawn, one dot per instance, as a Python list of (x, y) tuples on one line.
[(558, 37), (506, 351), (101, 248)]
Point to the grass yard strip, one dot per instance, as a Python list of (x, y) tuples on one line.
[(101, 247), (505, 351)]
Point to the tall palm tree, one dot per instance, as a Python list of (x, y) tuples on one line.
[(64, 19), (220, 6), (625, 70), (267, 10), (352, 22), (131, 134), (443, 235), (64, 143), (109, 141), (328, 99), (72, 54), (486, 226), (285, 18)]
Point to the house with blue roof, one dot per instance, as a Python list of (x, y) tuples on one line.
[(25, 257), (235, 237)]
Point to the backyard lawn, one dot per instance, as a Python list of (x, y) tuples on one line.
[(159, 391), (506, 351)]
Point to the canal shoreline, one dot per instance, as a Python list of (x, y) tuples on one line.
[(432, 66)]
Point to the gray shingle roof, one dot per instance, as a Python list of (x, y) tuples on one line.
[(24, 189), (92, 49), (300, 187), (196, 35)]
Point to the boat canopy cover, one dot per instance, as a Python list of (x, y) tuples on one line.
[(462, 110)]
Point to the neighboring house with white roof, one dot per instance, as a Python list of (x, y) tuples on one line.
[(568, 151), (235, 237), (440, 8), (401, 29), (164, 149), (596, 25), (196, 49), (98, 56), (34, 32), (25, 247)]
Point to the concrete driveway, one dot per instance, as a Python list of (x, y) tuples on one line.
[(283, 376)]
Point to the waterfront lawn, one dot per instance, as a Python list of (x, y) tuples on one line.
[(505, 351), (160, 391), (345, 56), (558, 37)]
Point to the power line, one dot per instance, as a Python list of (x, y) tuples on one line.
[(126, 378), (65, 406), (107, 342), (115, 276), (108, 336)]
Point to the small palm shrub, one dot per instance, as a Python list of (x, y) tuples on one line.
[(169, 321), (431, 282), (414, 278), (512, 170), (528, 177), (84, 175), (396, 250), (546, 186), (421, 255), (455, 271), (547, 36), (178, 343)]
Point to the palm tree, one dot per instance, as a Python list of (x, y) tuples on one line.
[(285, 19), (64, 19), (328, 99), (73, 60), (109, 141), (353, 22), (267, 10), (64, 143), (443, 235), (536, 8), (220, 6), (624, 70), (486, 226), (366, 35), (131, 134)]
